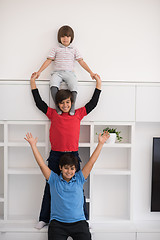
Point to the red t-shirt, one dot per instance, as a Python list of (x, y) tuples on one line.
[(65, 129)]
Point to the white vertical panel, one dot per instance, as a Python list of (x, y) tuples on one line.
[(148, 104)]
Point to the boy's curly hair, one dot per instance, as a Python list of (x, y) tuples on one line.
[(68, 159)]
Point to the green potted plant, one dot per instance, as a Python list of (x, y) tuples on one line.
[(114, 134)]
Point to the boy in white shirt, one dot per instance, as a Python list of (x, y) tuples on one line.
[(64, 57)]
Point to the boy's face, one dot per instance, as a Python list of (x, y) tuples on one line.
[(68, 172), (65, 40), (65, 105)]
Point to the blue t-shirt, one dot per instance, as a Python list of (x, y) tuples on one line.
[(67, 198)]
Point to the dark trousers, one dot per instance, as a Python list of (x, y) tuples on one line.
[(61, 231), (53, 164)]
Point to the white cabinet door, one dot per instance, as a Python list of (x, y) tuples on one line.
[(116, 103), (24, 236), (17, 103), (148, 236), (114, 236), (148, 104)]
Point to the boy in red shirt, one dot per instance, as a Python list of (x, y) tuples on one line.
[(64, 133)]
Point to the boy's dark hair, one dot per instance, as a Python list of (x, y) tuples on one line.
[(68, 159), (65, 31), (62, 95)]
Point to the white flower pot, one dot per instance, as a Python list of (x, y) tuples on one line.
[(111, 139)]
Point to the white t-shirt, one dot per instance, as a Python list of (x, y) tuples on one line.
[(64, 57)]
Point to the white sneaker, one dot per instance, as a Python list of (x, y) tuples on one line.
[(40, 225)]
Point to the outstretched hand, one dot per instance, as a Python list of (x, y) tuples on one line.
[(102, 138), (95, 76), (29, 138), (35, 75)]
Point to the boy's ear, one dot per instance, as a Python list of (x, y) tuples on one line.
[(60, 168)]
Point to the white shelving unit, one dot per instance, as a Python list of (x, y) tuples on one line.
[(22, 183), (118, 189)]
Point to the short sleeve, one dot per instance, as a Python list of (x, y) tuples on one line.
[(52, 54), (77, 55), (81, 112), (52, 178), (50, 112), (80, 176)]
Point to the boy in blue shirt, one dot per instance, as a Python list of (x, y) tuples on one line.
[(67, 214)]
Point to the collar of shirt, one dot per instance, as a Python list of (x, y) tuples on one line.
[(62, 46), (73, 179)]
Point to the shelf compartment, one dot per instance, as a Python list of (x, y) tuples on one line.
[(1, 171), (124, 129), (84, 134), (1, 133), (17, 132), (25, 194), (84, 154), (24, 144), (1, 211), (22, 157), (116, 159), (112, 202)]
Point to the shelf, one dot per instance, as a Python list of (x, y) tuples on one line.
[(23, 226), (111, 172), (84, 144), (24, 144), (116, 145), (22, 218), (119, 226), (26, 171), (100, 219)]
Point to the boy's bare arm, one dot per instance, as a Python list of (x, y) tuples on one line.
[(43, 67), (85, 66), (33, 141), (89, 165)]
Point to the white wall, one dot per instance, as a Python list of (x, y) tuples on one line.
[(119, 39)]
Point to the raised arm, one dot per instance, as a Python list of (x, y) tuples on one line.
[(89, 165), (33, 141), (37, 98), (95, 98)]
